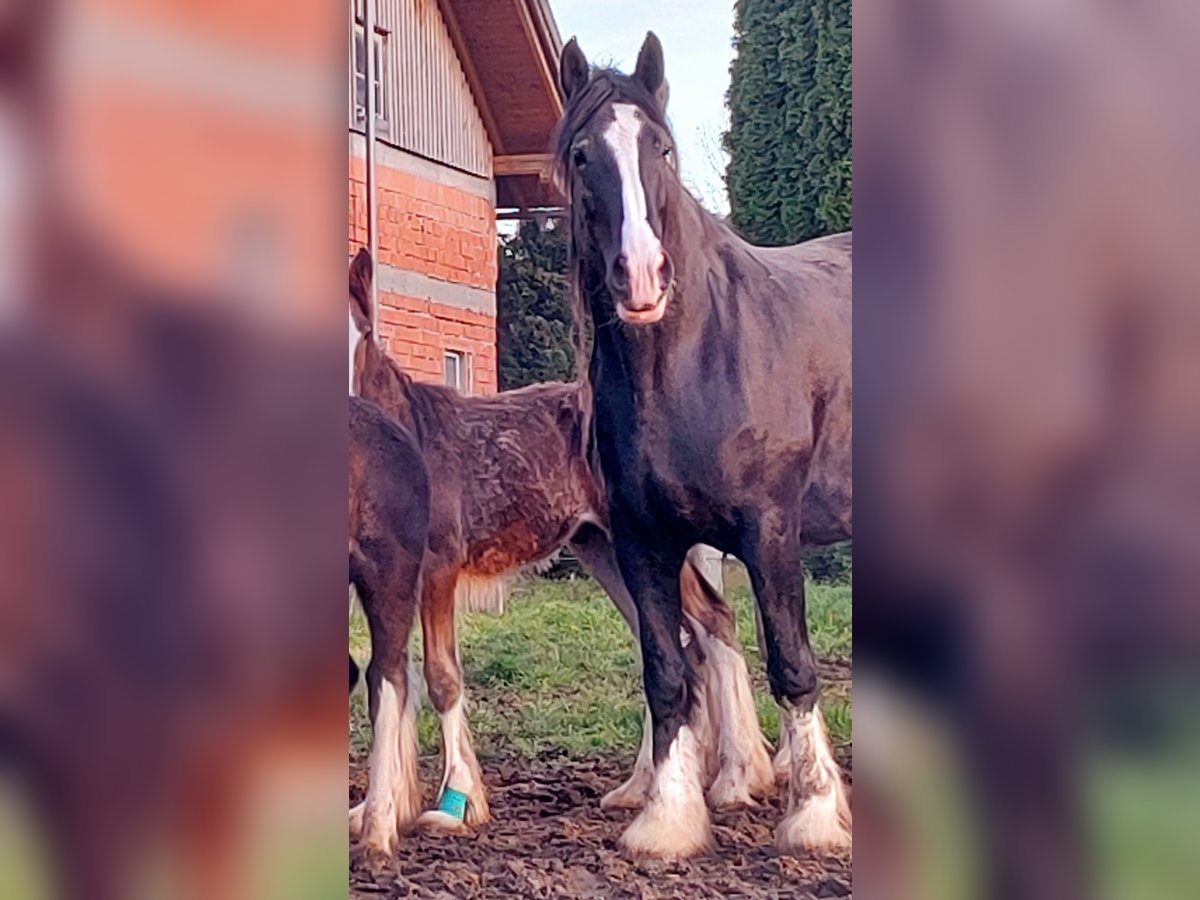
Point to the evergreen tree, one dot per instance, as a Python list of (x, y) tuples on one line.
[(789, 175), (534, 308)]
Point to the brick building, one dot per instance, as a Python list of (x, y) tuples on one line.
[(466, 97)]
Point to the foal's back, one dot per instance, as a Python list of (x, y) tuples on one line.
[(508, 469)]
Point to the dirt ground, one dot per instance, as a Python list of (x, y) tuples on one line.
[(549, 838)]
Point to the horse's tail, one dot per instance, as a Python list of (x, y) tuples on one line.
[(360, 291)]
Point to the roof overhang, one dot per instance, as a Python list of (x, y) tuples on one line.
[(509, 51)]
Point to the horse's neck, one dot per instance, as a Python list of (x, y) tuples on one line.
[(389, 387)]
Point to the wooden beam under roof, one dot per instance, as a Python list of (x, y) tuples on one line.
[(539, 164)]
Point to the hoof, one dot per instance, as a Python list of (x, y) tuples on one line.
[(631, 795), (731, 791), (374, 859), (680, 838), (821, 825), (436, 820), (674, 824)]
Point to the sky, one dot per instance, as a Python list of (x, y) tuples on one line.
[(697, 40)]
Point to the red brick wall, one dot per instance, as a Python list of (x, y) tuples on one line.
[(443, 233)]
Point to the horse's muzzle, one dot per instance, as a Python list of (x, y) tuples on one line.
[(641, 292)]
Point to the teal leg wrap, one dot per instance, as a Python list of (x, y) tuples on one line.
[(453, 803)]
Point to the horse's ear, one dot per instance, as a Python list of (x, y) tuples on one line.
[(572, 69), (360, 290), (649, 70)]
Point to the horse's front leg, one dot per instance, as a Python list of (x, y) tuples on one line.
[(593, 547), (818, 814), (674, 823)]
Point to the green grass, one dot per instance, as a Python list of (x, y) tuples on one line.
[(558, 671)]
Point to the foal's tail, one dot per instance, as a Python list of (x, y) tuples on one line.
[(360, 291)]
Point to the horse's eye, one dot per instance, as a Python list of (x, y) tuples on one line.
[(580, 159), (667, 152)]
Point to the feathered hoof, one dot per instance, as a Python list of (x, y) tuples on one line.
[(631, 795), (679, 837), (731, 791), (821, 825)]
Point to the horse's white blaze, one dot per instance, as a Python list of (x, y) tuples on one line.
[(642, 249), (392, 798), (818, 815), (674, 823)]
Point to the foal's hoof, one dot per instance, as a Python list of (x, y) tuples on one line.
[(821, 825)]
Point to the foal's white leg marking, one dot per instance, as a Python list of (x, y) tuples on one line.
[(393, 796), (633, 793), (461, 773), (639, 243), (674, 824), (818, 816), (745, 768)]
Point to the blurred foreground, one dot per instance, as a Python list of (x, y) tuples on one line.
[(172, 443), (1027, 388)]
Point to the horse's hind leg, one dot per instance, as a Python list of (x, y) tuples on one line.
[(674, 823), (463, 799), (818, 814), (393, 792), (743, 766)]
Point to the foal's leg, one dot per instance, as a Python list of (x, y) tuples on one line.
[(393, 792), (674, 823), (818, 815), (462, 780)]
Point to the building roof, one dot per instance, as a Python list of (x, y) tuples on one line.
[(509, 51)]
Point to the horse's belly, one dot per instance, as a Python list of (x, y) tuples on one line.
[(508, 549)]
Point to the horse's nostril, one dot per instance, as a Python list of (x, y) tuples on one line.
[(620, 271), (666, 271)]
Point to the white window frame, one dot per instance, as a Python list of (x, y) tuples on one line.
[(462, 360), (382, 123)]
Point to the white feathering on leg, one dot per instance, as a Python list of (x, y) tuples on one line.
[(744, 768), (674, 823), (818, 816)]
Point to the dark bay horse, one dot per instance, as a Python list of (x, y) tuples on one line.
[(721, 414), (510, 486), (389, 530)]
